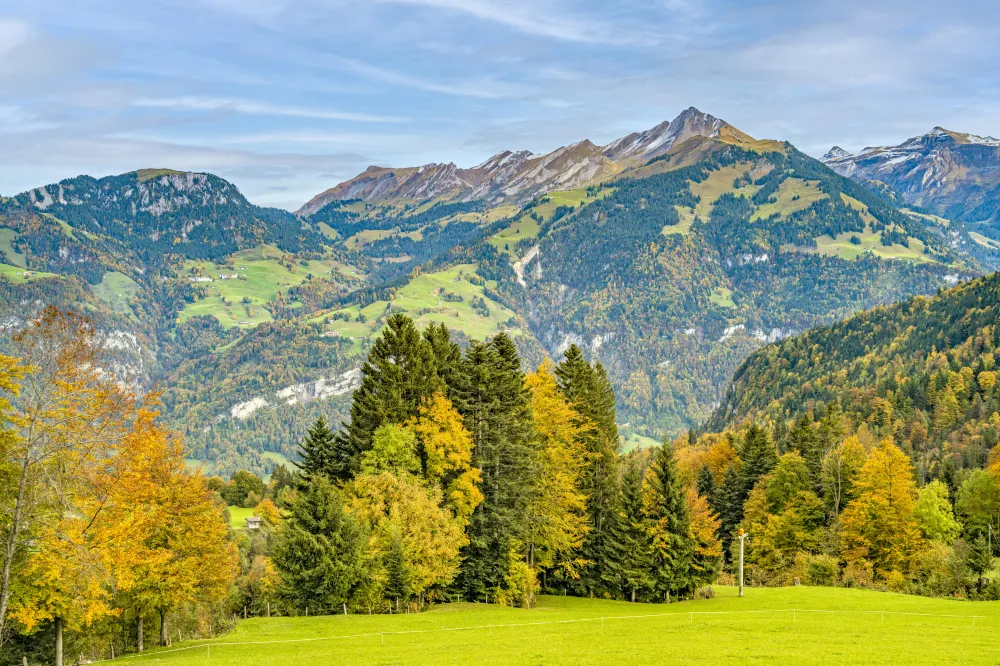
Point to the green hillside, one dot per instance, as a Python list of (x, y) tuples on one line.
[(922, 370), (800, 625), (671, 273)]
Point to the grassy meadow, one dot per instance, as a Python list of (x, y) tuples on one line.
[(424, 298), (795, 625), (265, 276)]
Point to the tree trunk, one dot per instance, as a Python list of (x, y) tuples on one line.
[(633, 595), (11, 546), (163, 628), (138, 636), (59, 642)]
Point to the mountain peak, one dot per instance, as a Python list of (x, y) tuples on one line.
[(835, 153), (518, 176)]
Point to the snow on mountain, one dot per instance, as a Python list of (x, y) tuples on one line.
[(521, 175), (952, 173)]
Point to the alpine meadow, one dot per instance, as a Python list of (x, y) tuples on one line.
[(413, 393)]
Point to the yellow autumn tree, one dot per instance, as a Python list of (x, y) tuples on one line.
[(64, 460), (557, 518), (183, 554), (878, 526), (447, 452), (704, 529), (404, 517)]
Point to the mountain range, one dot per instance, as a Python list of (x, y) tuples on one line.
[(517, 176), (670, 254), (953, 174)]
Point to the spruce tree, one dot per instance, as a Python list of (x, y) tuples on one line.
[(320, 549), (631, 546), (447, 356), (672, 546), (804, 439), (589, 390), (705, 484), (399, 373), (496, 409), (397, 586), (757, 457), (316, 450)]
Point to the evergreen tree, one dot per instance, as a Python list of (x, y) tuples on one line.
[(980, 560), (705, 484), (316, 451), (757, 457), (320, 549), (670, 528), (632, 562), (397, 586), (804, 439), (398, 374), (589, 390), (447, 356), (496, 408)]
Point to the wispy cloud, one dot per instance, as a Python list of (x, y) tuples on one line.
[(260, 109), (483, 88), (535, 18)]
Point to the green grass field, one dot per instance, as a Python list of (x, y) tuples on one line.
[(634, 440), (793, 195), (524, 226), (116, 289), (7, 237), (16, 274), (423, 298), (238, 517), (718, 183), (722, 296), (796, 625), (265, 276)]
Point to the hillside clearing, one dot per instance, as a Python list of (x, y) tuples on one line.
[(796, 625), (443, 296)]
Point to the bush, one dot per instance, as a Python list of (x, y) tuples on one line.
[(858, 574), (822, 570), (521, 586)]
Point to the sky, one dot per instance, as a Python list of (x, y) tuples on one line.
[(286, 98)]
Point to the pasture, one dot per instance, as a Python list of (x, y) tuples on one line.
[(795, 625)]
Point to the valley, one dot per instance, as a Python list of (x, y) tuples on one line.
[(692, 245)]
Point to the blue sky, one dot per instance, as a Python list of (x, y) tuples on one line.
[(288, 97)]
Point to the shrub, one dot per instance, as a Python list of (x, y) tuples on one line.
[(822, 570)]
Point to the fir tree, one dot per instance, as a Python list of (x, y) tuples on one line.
[(399, 373), (496, 408), (589, 390), (632, 561), (320, 548), (666, 509), (397, 586), (705, 484), (316, 450)]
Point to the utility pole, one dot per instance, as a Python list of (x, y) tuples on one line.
[(742, 536)]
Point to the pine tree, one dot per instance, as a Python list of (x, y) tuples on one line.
[(666, 509), (399, 373), (320, 549), (496, 409), (316, 451), (589, 390)]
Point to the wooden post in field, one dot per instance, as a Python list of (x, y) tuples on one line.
[(742, 536)]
